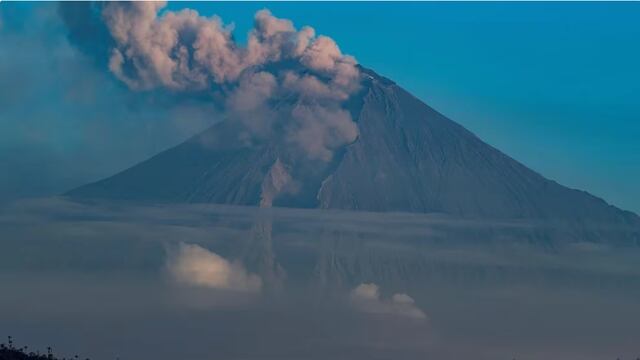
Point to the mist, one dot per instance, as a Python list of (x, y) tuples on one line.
[(165, 281)]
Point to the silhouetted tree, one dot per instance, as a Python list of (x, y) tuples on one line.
[(10, 352)]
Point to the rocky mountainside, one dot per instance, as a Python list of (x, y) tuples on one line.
[(407, 157)]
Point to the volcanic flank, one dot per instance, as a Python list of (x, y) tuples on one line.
[(407, 157), (306, 127)]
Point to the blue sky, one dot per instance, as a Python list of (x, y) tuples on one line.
[(554, 85)]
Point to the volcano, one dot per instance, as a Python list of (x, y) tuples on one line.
[(407, 158)]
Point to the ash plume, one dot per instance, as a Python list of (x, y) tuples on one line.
[(285, 85)]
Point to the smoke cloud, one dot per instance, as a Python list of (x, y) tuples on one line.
[(276, 181), (367, 298), (285, 86), (197, 266)]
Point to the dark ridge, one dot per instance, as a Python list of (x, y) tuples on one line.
[(9, 351)]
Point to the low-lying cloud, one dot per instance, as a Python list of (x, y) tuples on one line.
[(366, 298), (196, 266), (72, 254)]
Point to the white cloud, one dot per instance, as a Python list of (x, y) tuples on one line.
[(366, 298), (197, 266)]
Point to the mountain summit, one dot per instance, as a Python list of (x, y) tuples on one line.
[(407, 157)]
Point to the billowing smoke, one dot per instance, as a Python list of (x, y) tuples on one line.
[(367, 298), (196, 266), (286, 85)]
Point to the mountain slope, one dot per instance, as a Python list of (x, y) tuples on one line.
[(408, 157)]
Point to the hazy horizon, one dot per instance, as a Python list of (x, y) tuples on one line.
[(319, 180)]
